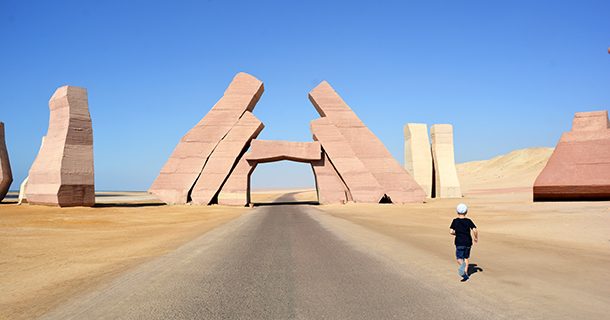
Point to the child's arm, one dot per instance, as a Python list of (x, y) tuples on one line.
[(476, 234), (452, 232)]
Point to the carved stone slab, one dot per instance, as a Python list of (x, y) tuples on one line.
[(224, 157), (393, 179), (331, 189), (273, 150), (186, 163), (362, 185), (418, 155), (447, 183), (579, 168), (62, 174), (236, 190)]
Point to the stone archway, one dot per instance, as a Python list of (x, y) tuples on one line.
[(329, 187), (211, 165)]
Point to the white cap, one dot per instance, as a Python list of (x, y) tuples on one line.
[(462, 208)]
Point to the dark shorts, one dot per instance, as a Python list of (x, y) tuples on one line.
[(462, 252)]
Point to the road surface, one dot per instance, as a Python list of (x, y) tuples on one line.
[(277, 262)]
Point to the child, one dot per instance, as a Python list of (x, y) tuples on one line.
[(460, 228)]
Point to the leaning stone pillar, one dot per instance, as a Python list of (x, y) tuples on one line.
[(236, 190), (331, 189)]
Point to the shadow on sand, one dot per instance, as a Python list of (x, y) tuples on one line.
[(474, 268)]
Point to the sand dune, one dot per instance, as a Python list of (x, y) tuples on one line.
[(515, 170)]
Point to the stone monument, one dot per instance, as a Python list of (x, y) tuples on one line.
[(62, 174), (224, 158), (358, 154), (446, 181), (184, 167), (237, 188), (418, 155), (579, 168), (212, 164), (6, 175)]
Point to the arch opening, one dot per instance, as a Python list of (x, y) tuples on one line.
[(283, 182)]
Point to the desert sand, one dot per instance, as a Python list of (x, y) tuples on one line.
[(50, 254), (542, 260), (538, 260), (515, 171), (265, 196)]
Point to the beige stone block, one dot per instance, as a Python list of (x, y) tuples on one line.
[(447, 184), (22, 198), (63, 172), (418, 155)]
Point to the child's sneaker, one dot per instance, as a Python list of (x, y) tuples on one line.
[(465, 277)]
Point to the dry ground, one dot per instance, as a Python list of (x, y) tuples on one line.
[(270, 196), (550, 258), (48, 255)]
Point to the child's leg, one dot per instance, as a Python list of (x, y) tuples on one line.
[(459, 262), (466, 269)]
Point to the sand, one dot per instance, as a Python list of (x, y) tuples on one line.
[(539, 260), (515, 171), (548, 258), (276, 195), (49, 254)]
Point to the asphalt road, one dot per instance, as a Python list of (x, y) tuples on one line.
[(277, 262)]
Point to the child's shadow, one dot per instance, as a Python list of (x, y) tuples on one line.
[(474, 268)]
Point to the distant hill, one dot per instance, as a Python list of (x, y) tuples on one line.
[(517, 169)]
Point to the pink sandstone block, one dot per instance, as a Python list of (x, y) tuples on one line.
[(178, 176), (6, 175), (579, 168), (272, 150), (393, 179), (362, 185), (63, 174), (331, 189), (224, 158), (236, 190), (590, 121)]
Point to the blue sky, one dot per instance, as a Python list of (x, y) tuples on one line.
[(506, 74)]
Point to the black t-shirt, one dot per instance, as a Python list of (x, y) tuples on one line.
[(462, 231)]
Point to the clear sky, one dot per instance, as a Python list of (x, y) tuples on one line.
[(506, 74)]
